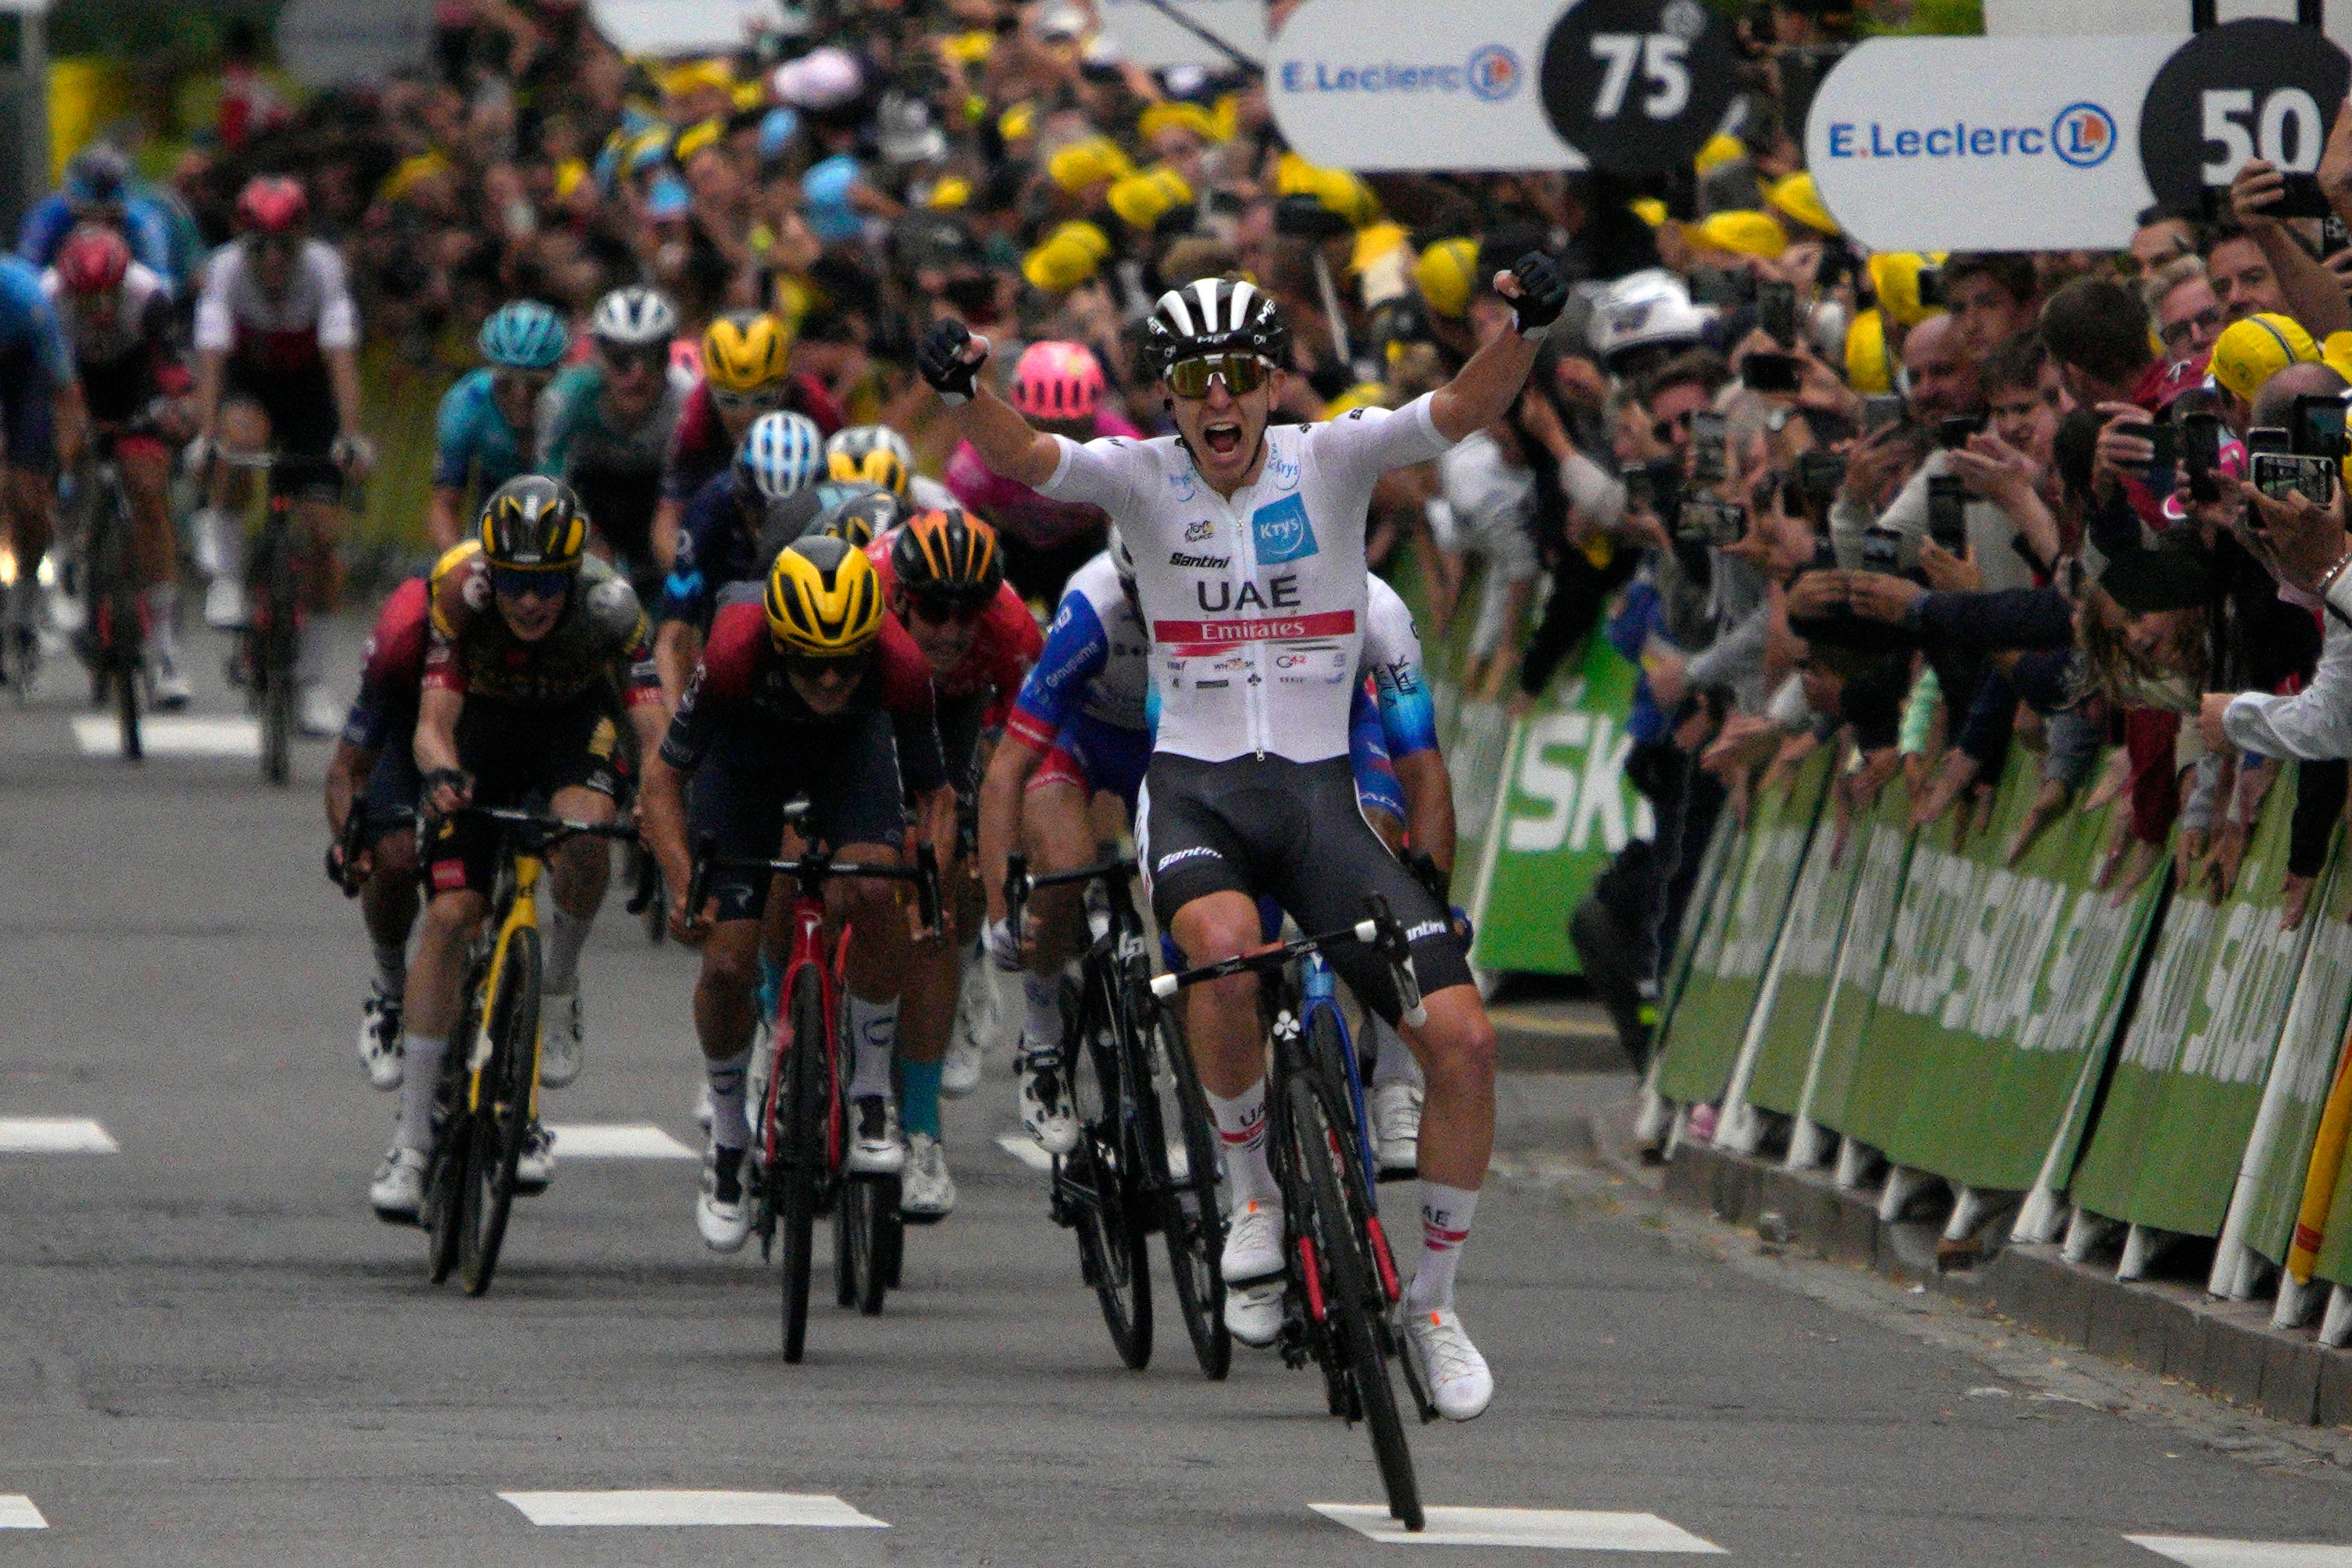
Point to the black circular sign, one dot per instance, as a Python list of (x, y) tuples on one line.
[(2250, 89), (1639, 86)]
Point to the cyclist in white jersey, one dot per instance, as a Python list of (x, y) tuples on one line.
[(1249, 551)]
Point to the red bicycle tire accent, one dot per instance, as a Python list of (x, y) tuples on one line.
[(1382, 1260), (1314, 1278)]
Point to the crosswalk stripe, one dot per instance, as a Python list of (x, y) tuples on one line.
[(55, 1135), (1566, 1530), (100, 734), (17, 1512), (616, 1141), (2202, 1552), (814, 1511), (1025, 1149)]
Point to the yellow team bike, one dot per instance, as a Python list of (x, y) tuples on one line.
[(488, 1093)]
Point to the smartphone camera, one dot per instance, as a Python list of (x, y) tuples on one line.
[(1947, 514), (1881, 550)]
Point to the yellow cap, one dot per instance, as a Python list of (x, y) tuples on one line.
[(1067, 258), (1752, 234), (1336, 189), (695, 138), (1720, 149), (748, 95), (1895, 279), (1228, 116), (1085, 237), (1089, 161), (695, 75), (2336, 354), (412, 172), (1375, 242), (1019, 123), (1447, 274), (1650, 210), (1190, 117), (1867, 368), (970, 48), (2253, 351), (1795, 197), (1363, 394), (568, 177), (1142, 200), (950, 193)]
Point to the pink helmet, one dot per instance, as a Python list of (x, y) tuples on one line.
[(1057, 380)]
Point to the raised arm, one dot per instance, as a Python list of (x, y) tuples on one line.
[(950, 359), (1485, 388)]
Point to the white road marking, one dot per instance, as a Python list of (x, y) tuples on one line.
[(1023, 1147), (55, 1135), (675, 1508), (1567, 1530), (17, 1512), (2201, 1552), (98, 734), (616, 1141)]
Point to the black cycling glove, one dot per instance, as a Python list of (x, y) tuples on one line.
[(940, 360), (1543, 293)]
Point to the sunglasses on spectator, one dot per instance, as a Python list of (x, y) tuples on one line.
[(524, 583), (1242, 373), (2206, 320), (823, 669), (767, 399), (947, 612), (623, 361)]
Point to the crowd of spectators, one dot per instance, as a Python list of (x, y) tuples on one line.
[(1931, 507)]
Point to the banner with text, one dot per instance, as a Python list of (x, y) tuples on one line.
[(2310, 1046), (1816, 928), (1884, 839)]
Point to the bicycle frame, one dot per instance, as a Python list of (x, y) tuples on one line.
[(519, 911), (1320, 993), (808, 950)]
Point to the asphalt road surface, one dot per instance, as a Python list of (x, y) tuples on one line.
[(211, 1352)]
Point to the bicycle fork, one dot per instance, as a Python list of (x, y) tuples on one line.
[(522, 914)]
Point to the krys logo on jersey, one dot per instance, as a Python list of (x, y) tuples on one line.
[(2081, 135), (1282, 531), (1491, 73)]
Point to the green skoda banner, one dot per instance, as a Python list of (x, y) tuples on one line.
[(2037, 975), (2188, 1078), (1561, 810), (1816, 927), (2309, 1046), (1743, 924), (1883, 838)]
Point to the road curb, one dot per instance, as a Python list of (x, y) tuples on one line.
[(2225, 1349)]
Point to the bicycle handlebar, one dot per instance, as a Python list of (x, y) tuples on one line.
[(552, 829), (1019, 882), (814, 869), (1379, 932)]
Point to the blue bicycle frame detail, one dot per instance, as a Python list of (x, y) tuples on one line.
[(1318, 989)]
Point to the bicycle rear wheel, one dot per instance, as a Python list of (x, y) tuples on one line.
[(1100, 1184), (1190, 1220), (274, 653), (1353, 1302), (445, 1175), (802, 1157), (502, 1118)]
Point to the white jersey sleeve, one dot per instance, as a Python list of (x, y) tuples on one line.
[(1372, 440), (339, 319), (1106, 472), (216, 320)]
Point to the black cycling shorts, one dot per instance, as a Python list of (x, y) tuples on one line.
[(520, 757), (963, 721), (394, 787), (848, 771), (1291, 831), (300, 407)]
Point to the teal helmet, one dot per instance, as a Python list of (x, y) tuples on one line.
[(524, 334)]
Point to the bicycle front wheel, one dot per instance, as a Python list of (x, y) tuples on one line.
[(1190, 1220), (1101, 1185), (503, 1115), (802, 1157), (445, 1173), (1353, 1302)]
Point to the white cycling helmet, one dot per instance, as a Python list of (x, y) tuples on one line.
[(1647, 310), (783, 454), (635, 317)]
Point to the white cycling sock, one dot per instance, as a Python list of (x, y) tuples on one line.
[(1241, 1127), (163, 601), (873, 1026), (1445, 1215), (391, 968), (420, 1080), (566, 934), (1393, 1061), (1041, 1016), (729, 1128)]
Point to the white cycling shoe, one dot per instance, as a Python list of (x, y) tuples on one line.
[(380, 1042), (316, 713), (959, 1071), (1451, 1367), (1046, 1114), (535, 1167), (1396, 1126), (397, 1193), (930, 1191), (561, 1048), (719, 1211), (1253, 1268), (878, 1148)]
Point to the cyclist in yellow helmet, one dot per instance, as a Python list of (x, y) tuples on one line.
[(814, 691)]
